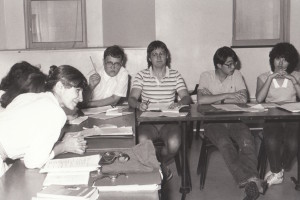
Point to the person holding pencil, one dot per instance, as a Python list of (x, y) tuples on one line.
[(107, 85), (159, 84)]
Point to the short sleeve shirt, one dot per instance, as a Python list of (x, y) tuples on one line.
[(159, 91), (109, 86), (210, 81)]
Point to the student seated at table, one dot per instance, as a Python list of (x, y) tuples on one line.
[(31, 124), (159, 83), (225, 84), (281, 84), (108, 84)]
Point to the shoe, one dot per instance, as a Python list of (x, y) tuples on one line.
[(274, 178), (251, 191), (262, 185)]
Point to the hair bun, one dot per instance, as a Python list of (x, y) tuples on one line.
[(51, 70)]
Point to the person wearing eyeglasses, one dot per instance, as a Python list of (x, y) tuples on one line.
[(110, 83), (225, 84), (158, 84), (281, 84)]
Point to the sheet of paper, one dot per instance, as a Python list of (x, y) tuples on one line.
[(292, 107), (233, 107), (124, 188), (85, 163), (103, 116), (78, 120), (163, 114), (92, 111), (67, 178)]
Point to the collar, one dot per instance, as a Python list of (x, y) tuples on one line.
[(167, 72)]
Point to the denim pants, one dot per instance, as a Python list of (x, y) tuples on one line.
[(241, 162), (281, 143)]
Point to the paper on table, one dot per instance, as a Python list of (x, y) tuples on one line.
[(103, 116), (78, 120), (163, 114), (86, 163), (292, 107), (67, 178), (233, 107), (107, 131), (91, 111)]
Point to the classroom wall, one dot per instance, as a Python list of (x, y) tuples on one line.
[(192, 30)]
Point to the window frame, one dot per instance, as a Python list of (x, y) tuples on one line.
[(53, 45), (284, 33)]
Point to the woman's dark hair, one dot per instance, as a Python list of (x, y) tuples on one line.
[(34, 82), (155, 45), (114, 51), (288, 52), (68, 75), (222, 54), (18, 73)]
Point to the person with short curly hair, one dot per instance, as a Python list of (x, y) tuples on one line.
[(281, 84)]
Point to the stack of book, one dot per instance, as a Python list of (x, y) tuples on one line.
[(59, 192)]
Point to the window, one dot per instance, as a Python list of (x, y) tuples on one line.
[(55, 24), (258, 23)]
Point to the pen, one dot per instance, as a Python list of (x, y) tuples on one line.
[(93, 64), (147, 103)]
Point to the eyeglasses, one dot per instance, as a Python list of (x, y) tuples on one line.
[(109, 157), (116, 64), (233, 64)]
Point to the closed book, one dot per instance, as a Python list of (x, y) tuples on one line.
[(66, 192), (147, 181)]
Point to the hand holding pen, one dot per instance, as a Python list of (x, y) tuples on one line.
[(144, 105)]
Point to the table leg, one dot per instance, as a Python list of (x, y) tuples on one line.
[(185, 175), (297, 181)]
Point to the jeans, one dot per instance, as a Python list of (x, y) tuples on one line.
[(241, 162), (281, 143)]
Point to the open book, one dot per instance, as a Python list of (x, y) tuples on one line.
[(164, 107), (108, 131), (67, 192), (85, 163)]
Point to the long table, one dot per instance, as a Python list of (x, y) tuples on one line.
[(277, 114), (22, 183)]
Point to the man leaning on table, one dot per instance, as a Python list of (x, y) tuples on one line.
[(225, 84), (109, 83)]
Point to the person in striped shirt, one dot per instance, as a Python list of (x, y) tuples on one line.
[(159, 84)]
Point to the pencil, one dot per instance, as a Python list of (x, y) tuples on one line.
[(93, 64)]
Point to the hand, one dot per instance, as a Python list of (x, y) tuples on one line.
[(239, 97), (174, 105), (94, 80), (143, 106), (205, 91), (74, 142)]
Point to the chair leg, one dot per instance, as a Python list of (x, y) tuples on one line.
[(201, 156), (177, 162), (197, 134), (262, 160), (204, 170)]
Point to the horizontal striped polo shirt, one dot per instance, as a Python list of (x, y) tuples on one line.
[(159, 91)]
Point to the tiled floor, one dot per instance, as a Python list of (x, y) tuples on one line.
[(219, 183)]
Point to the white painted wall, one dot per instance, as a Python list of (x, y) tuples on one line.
[(192, 29)]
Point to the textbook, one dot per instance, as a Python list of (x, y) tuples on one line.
[(164, 107), (108, 131), (85, 163), (146, 181), (67, 192)]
